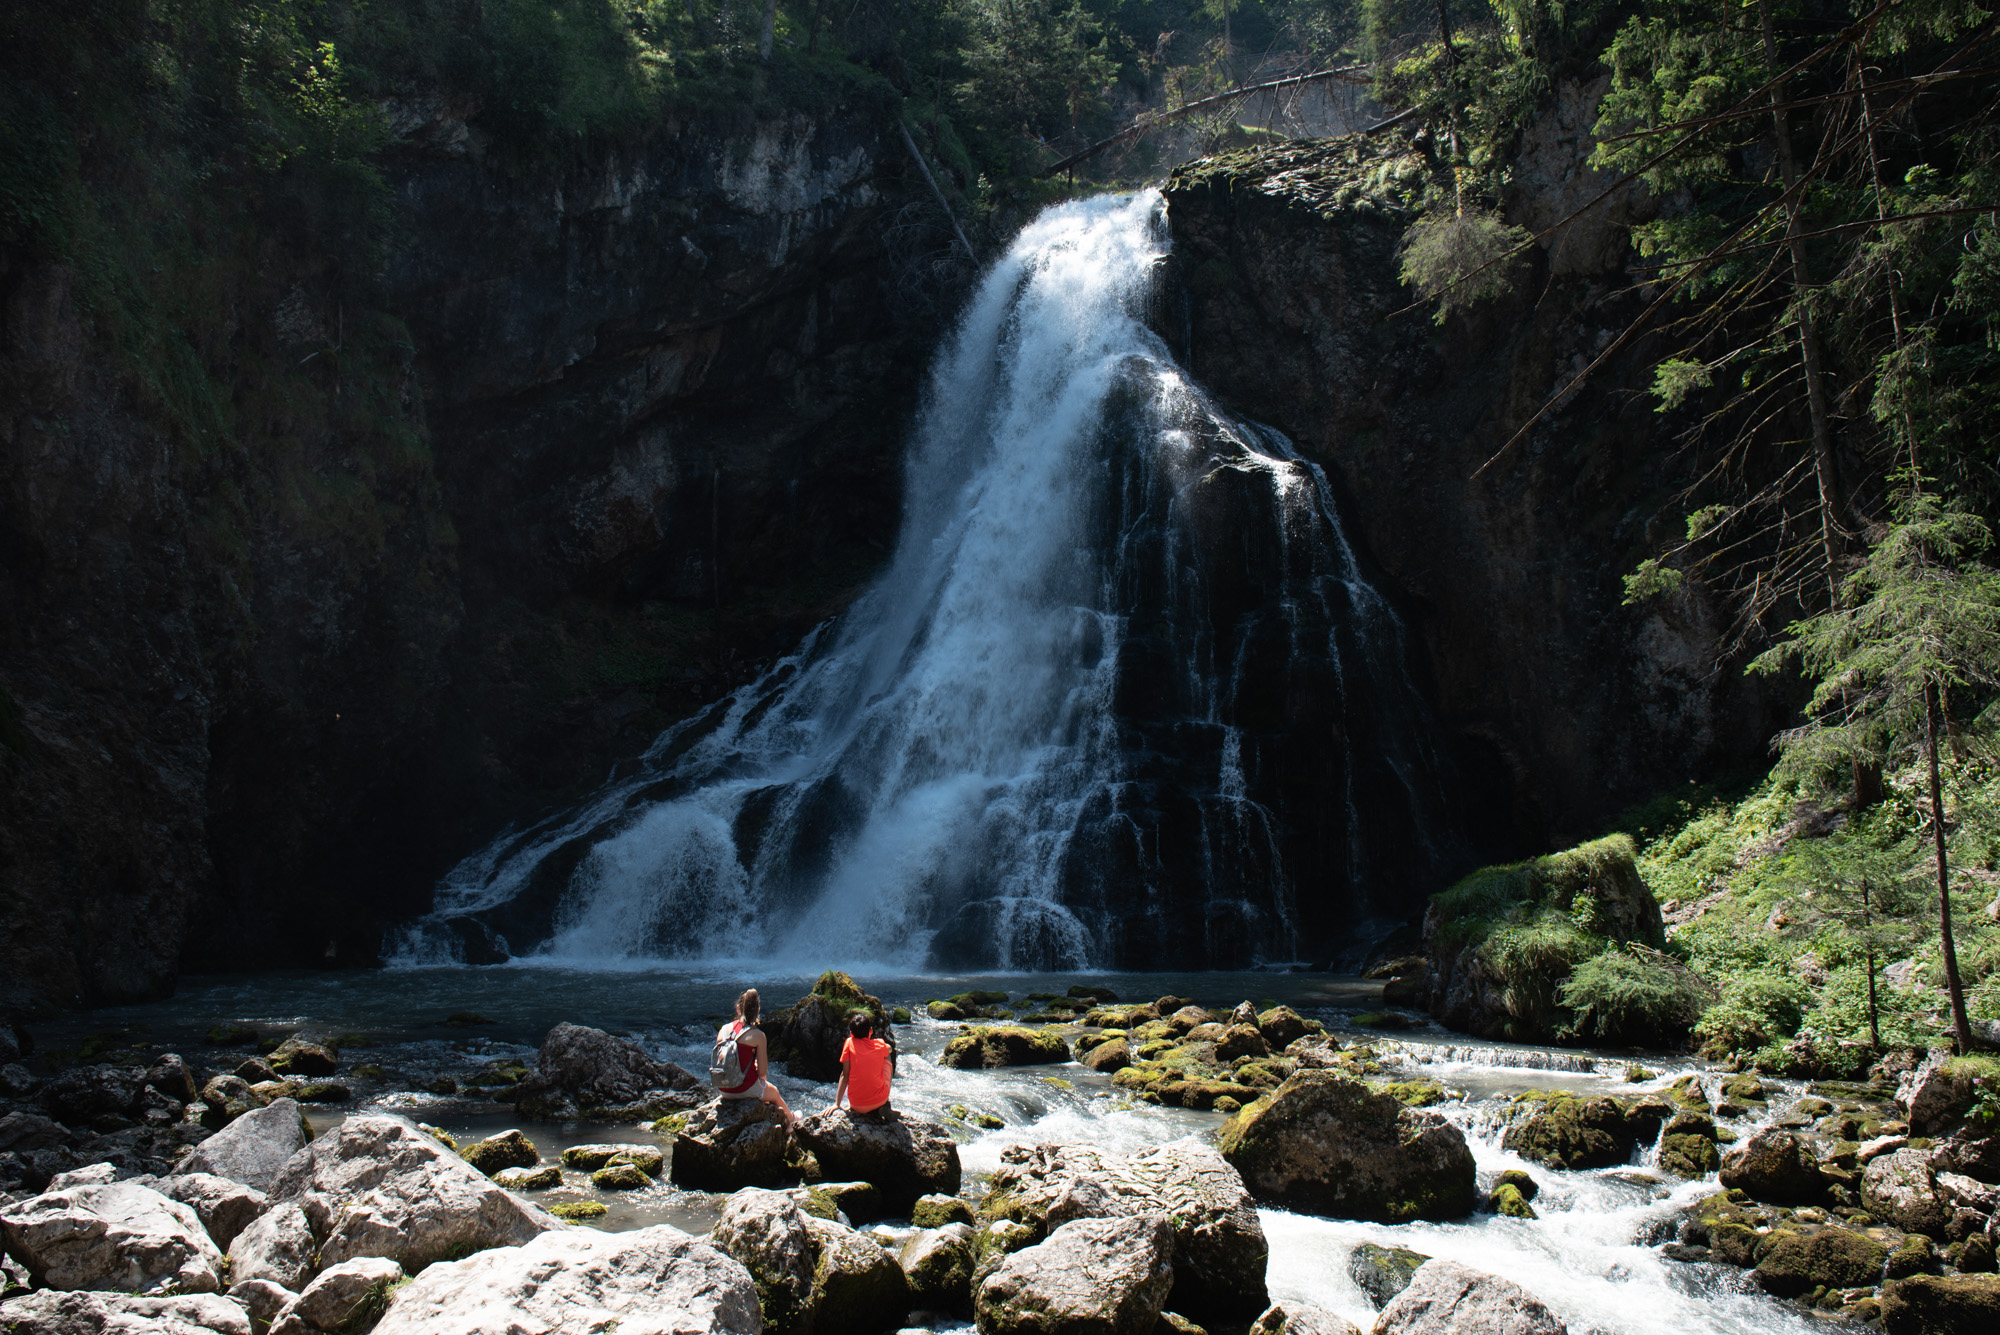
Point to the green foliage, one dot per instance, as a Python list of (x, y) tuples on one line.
[(1460, 259), (1754, 1017), (1624, 996)]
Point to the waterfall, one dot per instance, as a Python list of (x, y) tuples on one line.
[(1123, 697)]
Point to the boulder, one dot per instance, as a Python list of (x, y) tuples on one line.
[(1775, 1166), (620, 1177), (1325, 1143), (344, 1297), (1940, 1305), (589, 1158), (529, 1179), (116, 1235), (807, 1036), (1898, 1188), (654, 1281), (83, 1094), (937, 1265), (1446, 1298), (91, 1175), (254, 1147), (225, 1208), (991, 1046), (170, 1075), (731, 1143), (1571, 1133), (1836, 1258), (1241, 1040), (584, 1072), (262, 1299), (905, 1157), (391, 1190), (1295, 1318), (278, 1246), (1219, 1247), (1688, 1147), (860, 1202), (935, 1211), (1091, 1277), (1383, 1272), (1508, 1202), (1112, 1055), (858, 1288), (1282, 1026), (226, 1098), (300, 1056), (765, 1232), (509, 1149), (52, 1313), (1970, 1153), (1936, 1093)]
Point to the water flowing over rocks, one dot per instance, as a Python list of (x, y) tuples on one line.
[(653, 1281), (904, 1157), (1089, 1277), (586, 1072), (1326, 1143), (255, 1147), (1447, 1298), (86, 1313)]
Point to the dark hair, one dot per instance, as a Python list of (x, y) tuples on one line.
[(748, 1005), (861, 1024)]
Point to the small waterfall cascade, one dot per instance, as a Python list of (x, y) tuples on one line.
[(1121, 699)]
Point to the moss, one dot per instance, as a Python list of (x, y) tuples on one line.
[(1508, 1201), (1793, 1264), (820, 1204), (992, 1047), (579, 1211), (1415, 1093)]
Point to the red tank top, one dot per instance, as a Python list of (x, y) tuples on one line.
[(746, 1062)]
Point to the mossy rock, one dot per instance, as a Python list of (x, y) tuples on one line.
[(541, 1178), (1687, 1092), (945, 1011), (1689, 1155), (1519, 1181), (1103, 996), (231, 1036), (648, 1159), (1836, 1258), (808, 1035), (1564, 1131), (936, 1211), (509, 1149), (1508, 1201), (1942, 1305), (1202, 1095), (577, 1212), (620, 1177), (590, 1157), (899, 1015), (1745, 1088), (1138, 1077), (1383, 1272), (1415, 1093), (978, 998), (671, 1124), (990, 1048)]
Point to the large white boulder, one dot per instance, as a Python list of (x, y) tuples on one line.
[(388, 1189), (85, 1313), (1446, 1298), (765, 1232), (1091, 1277), (225, 1207), (253, 1148), (655, 1281), (115, 1235), (343, 1298), (278, 1247)]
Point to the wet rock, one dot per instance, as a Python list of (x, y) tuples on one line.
[(256, 1071), (50, 1313), (589, 1158), (529, 1179), (117, 1235), (262, 1299), (509, 1149), (344, 1297), (1091, 1277), (936, 1211), (1572, 1133), (1942, 1305), (254, 1147), (1688, 1147), (83, 1094), (1219, 1247), (945, 1011), (731, 1143), (1898, 1188), (807, 1036), (1382, 1272), (170, 1075), (620, 1177), (1241, 1040), (858, 1288), (586, 1072), (937, 1266), (905, 1157), (1835, 1258), (300, 1056), (224, 1207), (226, 1098), (991, 1047), (1282, 1026), (1327, 1144), (390, 1190), (1446, 1298), (277, 1246), (1295, 1318), (652, 1280), (1112, 1055), (1775, 1166), (1508, 1202)]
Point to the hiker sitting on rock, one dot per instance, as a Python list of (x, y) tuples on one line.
[(741, 1063), (866, 1065)]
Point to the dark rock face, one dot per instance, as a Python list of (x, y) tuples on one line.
[(731, 1143), (586, 1071), (807, 1036), (1776, 1166), (905, 1157)]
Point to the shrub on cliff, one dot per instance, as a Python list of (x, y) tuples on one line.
[(1624, 996)]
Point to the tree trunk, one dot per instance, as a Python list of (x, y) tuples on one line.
[(769, 34), (1809, 352), (1961, 1030), (1868, 934), (1889, 277)]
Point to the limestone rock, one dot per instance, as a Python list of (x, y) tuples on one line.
[(989, 1047), (905, 1157), (116, 1235), (586, 1072), (1837, 1258), (529, 1179), (1446, 1298), (277, 1247), (1567, 1132), (620, 1177), (765, 1232), (937, 1264), (1295, 1318), (299, 1056), (1282, 1026), (1091, 1277), (170, 1075), (254, 1147), (937, 1210), (1383, 1272), (807, 1036), (262, 1299), (1326, 1143), (1775, 1166), (1898, 1187), (509, 1149), (226, 1098), (391, 1190), (1942, 1305), (858, 1288), (88, 1313), (342, 1298), (1241, 1040), (1219, 1247), (224, 1207), (1112, 1055), (654, 1281), (731, 1143)]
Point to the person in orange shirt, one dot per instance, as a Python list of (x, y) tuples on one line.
[(866, 1065)]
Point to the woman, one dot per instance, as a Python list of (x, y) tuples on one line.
[(866, 1066), (753, 1058)]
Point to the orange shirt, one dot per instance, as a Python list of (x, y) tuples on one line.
[(867, 1062)]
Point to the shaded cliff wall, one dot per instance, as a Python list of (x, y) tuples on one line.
[(1563, 704), (610, 428)]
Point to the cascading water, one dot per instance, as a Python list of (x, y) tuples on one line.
[(1122, 698)]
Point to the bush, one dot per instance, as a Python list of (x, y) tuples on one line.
[(1459, 259), (1754, 1018), (1621, 997)]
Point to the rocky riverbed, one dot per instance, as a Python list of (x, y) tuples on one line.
[(1063, 1158)]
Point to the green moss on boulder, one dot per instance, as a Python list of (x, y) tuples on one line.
[(1942, 1305), (1837, 1258), (991, 1047)]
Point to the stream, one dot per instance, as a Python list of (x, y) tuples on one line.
[(1592, 1257)]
